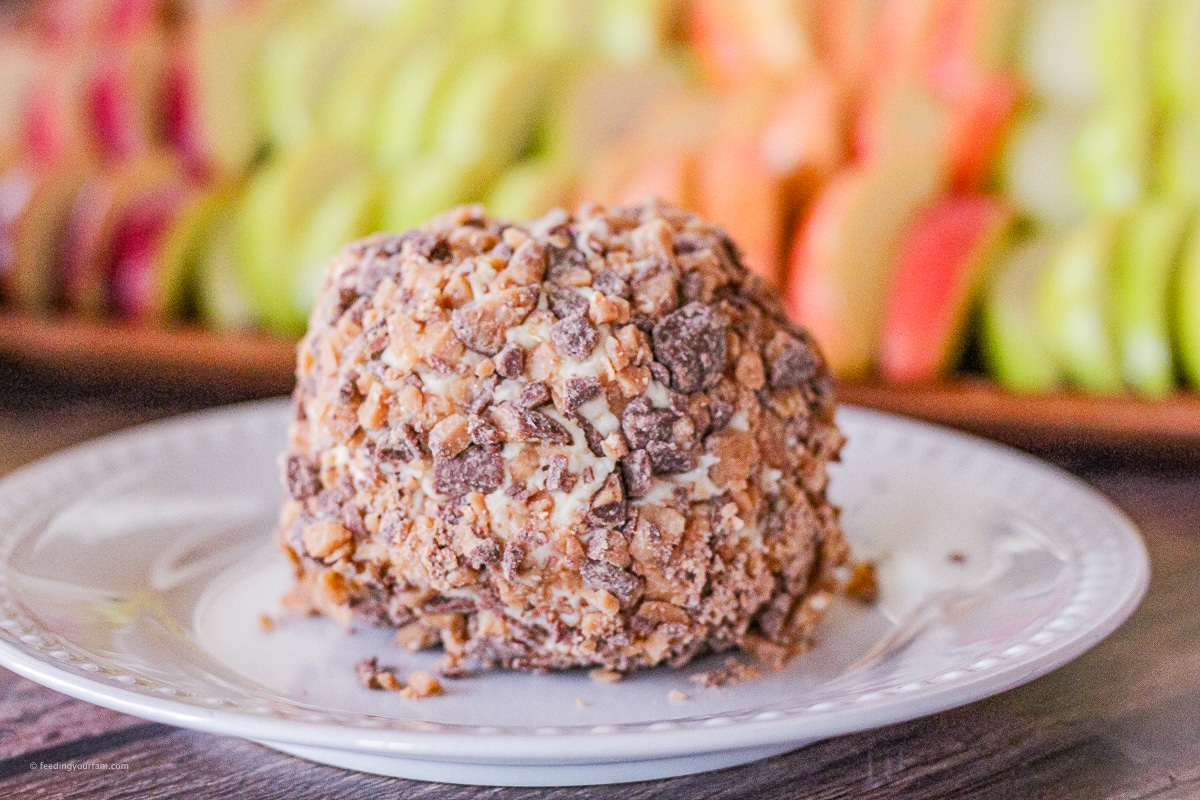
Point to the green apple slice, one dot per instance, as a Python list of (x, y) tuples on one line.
[(276, 205), (1146, 257), (1056, 52), (402, 128), (1174, 53), (1110, 159), (1186, 308), (349, 211), (221, 299), (359, 80), (1035, 166), (483, 22), (1120, 34), (488, 115), (429, 187), (1176, 162), (298, 64), (1075, 307), (553, 27), (182, 248), (1013, 346), (529, 190), (633, 31)]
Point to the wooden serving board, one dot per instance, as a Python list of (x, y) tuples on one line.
[(244, 365)]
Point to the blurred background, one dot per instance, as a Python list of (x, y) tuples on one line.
[(985, 210)]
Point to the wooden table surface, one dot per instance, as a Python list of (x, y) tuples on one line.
[(1121, 721)]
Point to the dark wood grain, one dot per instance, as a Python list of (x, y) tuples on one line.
[(1122, 721)]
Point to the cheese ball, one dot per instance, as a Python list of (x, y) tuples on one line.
[(590, 440)]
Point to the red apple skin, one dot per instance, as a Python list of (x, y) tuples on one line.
[(979, 123), (902, 38), (713, 30), (942, 260), (56, 115), (133, 273)]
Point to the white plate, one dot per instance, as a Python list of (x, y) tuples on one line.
[(133, 571)]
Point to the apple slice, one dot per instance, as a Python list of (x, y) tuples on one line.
[(1185, 307), (19, 67), (553, 27), (714, 32), (1120, 44), (1056, 52), (277, 203), (125, 96), (1014, 348), (979, 122), (488, 115), (34, 208), (56, 116), (1174, 48), (804, 138), (350, 210), (972, 41), (634, 31), (844, 33), (299, 60), (1035, 166), (212, 118), (1176, 162), (736, 189), (359, 80), (896, 120), (843, 254), (429, 187), (1110, 157), (402, 128), (902, 40), (529, 190), (945, 255), (98, 208), (1146, 257), (221, 299), (1075, 307)]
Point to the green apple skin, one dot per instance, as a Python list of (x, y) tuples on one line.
[(1186, 307), (1176, 164), (182, 247), (277, 202), (1111, 155), (221, 300), (1174, 54), (1013, 346), (1056, 52), (1075, 310), (1146, 257), (529, 190), (489, 113), (402, 128), (429, 187), (358, 82), (1120, 44), (348, 211), (1035, 166)]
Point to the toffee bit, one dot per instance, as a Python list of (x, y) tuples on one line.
[(605, 676), (862, 585), (266, 623), (732, 672), (677, 696)]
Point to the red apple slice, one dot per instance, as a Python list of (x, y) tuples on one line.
[(125, 96), (137, 287), (972, 41), (945, 254), (844, 31), (979, 122), (56, 116), (804, 139), (34, 205), (98, 208), (844, 251), (212, 119), (898, 119)]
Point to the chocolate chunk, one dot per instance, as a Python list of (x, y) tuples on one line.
[(612, 579), (691, 286), (636, 469), (595, 441), (720, 412), (475, 469), (667, 458), (609, 546), (558, 474), (483, 432), (302, 476), (533, 395), (642, 423), (611, 284), (482, 324), (565, 259), (374, 269), (401, 443), (483, 398), (567, 303), (660, 373), (790, 363), (577, 391), (519, 424), (691, 343), (510, 562), (432, 246), (608, 503), (375, 340), (574, 337), (689, 242), (510, 361), (442, 604)]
